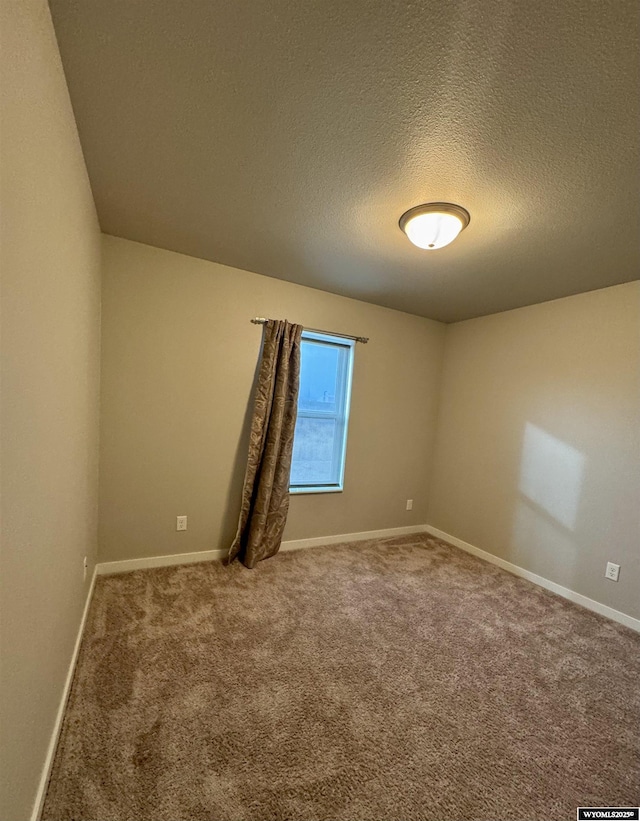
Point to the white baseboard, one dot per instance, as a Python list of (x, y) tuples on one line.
[(322, 541), (565, 592), (53, 742), (124, 566)]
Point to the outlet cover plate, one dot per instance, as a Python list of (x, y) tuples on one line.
[(612, 572)]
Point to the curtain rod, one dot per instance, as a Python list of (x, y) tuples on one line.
[(261, 320)]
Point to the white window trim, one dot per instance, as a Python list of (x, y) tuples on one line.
[(341, 441)]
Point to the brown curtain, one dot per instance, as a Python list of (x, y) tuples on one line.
[(265, 495)]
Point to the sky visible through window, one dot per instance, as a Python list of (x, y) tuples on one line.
[(316, 450), (318, 376)]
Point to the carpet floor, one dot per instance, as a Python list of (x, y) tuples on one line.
[(393, 679)]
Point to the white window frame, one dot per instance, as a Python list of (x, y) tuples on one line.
[(341, 414)]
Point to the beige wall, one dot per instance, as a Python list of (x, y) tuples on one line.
[(49, 258), (537, 456), (179, 357)]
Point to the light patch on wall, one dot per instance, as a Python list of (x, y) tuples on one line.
[(541, 545), (551, 474)]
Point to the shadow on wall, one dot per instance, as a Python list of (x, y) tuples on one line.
[(229, 523), (550, 486)]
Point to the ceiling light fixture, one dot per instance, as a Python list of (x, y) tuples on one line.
[(435, 224)]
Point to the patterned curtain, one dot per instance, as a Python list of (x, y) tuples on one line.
[(265, 495)]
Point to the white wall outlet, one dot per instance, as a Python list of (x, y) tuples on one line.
[(612, 572), (84, 569), (181, 523), (409, 504)]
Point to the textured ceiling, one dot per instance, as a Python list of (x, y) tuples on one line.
[(287, 137)]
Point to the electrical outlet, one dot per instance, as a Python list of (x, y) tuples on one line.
[(181, 523), (84, 569), (409, 504), (612, 572)]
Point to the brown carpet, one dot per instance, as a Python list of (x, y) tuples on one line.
[(391, 679)]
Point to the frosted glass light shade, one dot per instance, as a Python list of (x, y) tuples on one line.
[(434, 225)]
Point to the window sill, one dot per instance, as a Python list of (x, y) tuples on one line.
[(319, 489)]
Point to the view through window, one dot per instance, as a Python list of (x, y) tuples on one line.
[(320, 438)]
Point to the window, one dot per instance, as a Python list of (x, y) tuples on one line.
[(320, 439)]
